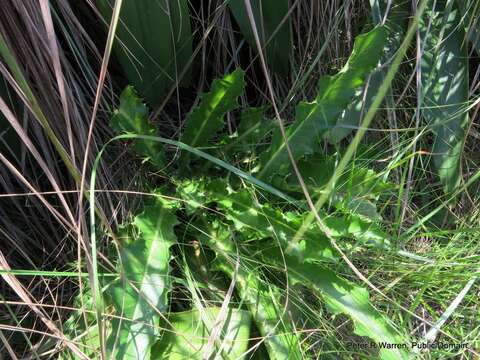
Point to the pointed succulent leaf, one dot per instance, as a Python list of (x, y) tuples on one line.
[(153, 44), (273, 27)]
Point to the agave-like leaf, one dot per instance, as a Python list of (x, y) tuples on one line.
[(444, 87), (206, 119), (314, 119), (187, 333), (154, 43), (141, 292), (274, 33), (132, 118)]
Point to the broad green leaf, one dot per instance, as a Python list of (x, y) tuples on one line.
[(444, 87), (270, 222), (132, 118), (356, 190), (193, 193), (154, 43), (188, 332), (260, 221), (313, 120), (274, 33), (263, 300), (265, 221), (250, 138), (355, 227), (253, 126), (206, 119), (344, 297), (367, 51), (246, 214), (396, 25), (141, 291)]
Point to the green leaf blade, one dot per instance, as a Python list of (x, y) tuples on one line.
[(206, 119), (142, 291), (395, 26), (313, 120), (262, 299), (190, 332), (132, 118), (342, 296), (274, 35), (253, 127), (445, 88), (153, 45)]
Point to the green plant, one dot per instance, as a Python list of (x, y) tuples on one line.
[(314, 119), (273, 25), (154, 44), (251, 238), (219, 235), (445, 88)]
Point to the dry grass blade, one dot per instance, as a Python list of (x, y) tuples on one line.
[(23, 294), (52, 40), (36, 193), (47, 60), (7, 346), (26, 93), (21, 132), (97, 296)]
